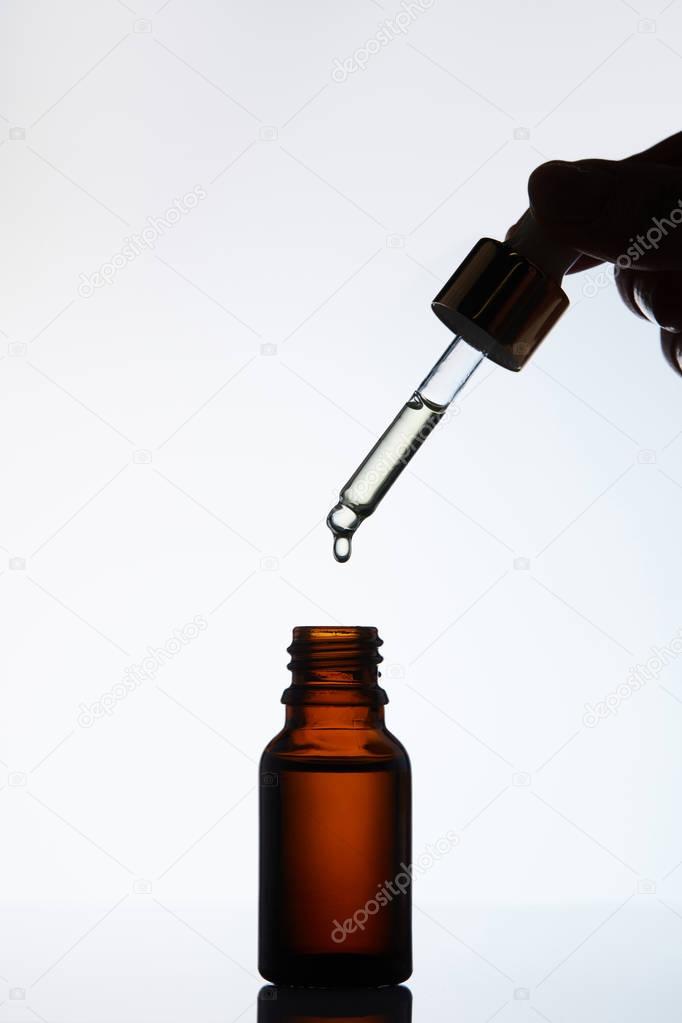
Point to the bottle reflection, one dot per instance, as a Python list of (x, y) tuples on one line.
[(342, 1005)]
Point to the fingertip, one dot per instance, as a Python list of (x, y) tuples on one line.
[(568, 194), (546, 184)]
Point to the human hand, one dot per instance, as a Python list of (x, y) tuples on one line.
[(628, 213)]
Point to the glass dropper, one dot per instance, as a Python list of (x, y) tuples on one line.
[(416, 420), (504, 298)]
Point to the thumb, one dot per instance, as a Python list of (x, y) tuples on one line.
[(623, 211)]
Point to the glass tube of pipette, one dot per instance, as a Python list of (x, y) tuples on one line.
[(400, 442)]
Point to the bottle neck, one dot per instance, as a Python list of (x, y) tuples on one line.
[(356, 675), (334, 716)]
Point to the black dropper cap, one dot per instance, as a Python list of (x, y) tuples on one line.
[(505, 297)]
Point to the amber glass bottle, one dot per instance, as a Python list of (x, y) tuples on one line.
[(335, 823)]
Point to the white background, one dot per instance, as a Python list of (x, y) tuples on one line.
[(172, 443)]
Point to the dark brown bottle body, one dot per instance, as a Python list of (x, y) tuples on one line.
[(335, 824)]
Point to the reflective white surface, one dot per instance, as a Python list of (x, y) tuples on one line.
[(148, 961)]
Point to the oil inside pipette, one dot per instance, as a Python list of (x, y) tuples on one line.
[(399, 443), (380, 469)]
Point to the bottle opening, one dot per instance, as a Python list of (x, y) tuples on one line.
[(335, 656), (340, 649)]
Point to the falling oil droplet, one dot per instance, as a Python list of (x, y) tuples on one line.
[(342, 548)]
